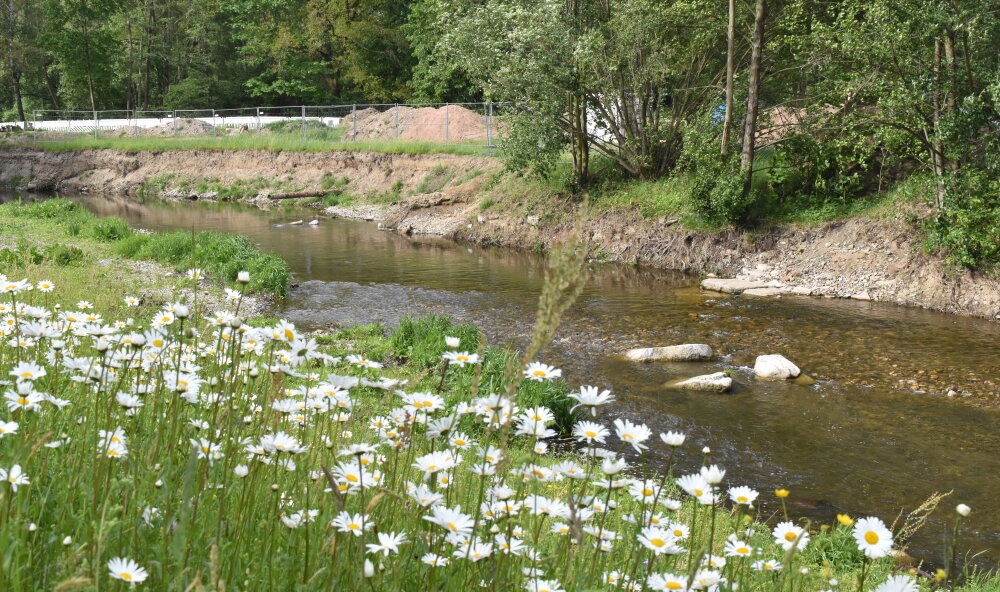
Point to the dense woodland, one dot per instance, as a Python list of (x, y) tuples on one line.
[(760, 102)]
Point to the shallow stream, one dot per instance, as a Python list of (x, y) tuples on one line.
[(860, 441)]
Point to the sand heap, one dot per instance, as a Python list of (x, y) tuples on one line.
[(180, 127), (420, 124)]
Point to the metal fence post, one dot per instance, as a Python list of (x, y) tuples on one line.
[(215, 129), (135, 123), (173, 125), (354, 123), (303, 124), (97, 125), (446, 122), (396, 110), (259, 111), (489, 128)]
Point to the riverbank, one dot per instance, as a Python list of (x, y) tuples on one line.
[(60, 243), (878, 256), (391, 463)]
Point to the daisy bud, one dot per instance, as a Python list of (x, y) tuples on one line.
[(369, 569), (67, 541), (157, 467), (102, 345), (158, 484), (706, 450), (181, 311), (32, 527), (963, 510), (254, 373), (834, 583), (236, 322), (274, 487), (241, 470), (452, 342), (58, 344), (243, 277)]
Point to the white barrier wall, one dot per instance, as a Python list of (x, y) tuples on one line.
[(84, 125)]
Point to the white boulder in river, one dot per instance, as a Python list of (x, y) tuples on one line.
[(689, 352), (712, 383), (775, 367)]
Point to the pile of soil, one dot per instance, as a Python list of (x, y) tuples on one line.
[(180, 127), (421, 124)]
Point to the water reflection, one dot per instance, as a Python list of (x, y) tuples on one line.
[(856, 442)]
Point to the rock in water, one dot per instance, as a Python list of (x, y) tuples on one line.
[(689, 352), (775, 367), (711, 383), (730, 286)]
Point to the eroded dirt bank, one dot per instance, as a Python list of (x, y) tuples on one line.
[(878, 259)]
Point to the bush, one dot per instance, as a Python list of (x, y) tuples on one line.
[(223, 255), (421, 340), (112, 229), (967, 229)]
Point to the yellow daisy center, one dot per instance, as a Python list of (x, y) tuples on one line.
[(674, 586), (125, 576), (871, 537), (539, 373), (791, 536), (658, 542)]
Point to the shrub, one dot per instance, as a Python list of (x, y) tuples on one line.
[(421, 340), (112, 230), (967, 229)]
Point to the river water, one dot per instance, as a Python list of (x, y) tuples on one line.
[(858, 441)]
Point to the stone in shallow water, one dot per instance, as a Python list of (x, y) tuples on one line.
[(765, 292), (688, 352), (730, 286), (775, 367), (712, 383)]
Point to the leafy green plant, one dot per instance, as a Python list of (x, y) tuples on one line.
[(111, 229)]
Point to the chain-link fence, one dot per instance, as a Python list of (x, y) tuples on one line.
[(471, 124)]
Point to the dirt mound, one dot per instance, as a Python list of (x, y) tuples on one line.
[(453, 123), (180, 127)]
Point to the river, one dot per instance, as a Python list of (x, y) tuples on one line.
[(860, 440)]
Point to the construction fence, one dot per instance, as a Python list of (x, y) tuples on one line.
[(477, 124)]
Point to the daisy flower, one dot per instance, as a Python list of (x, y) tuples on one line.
[(46, 286), (355, 524), (540, 585), (634, 434), (668, 582), (541, 372), (873, 538), (15, 476), (451, 520), (388, 542), (590, 432), (737, 548), (898, 584), (127, 570), (8, 427), (591, 398), (460, 359), (788, 536), (743, 495), (658, 540)]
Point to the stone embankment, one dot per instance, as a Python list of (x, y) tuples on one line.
[(872, 258)]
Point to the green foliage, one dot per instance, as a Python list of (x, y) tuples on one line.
[(222, 255), (111, 229), (421, 340), (967, 229), (25, 254)]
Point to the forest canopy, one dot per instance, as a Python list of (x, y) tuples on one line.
[(758, 101)]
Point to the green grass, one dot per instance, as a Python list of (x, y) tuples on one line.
[(57, 221), (276, 142)]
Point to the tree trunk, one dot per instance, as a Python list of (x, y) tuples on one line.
[(937, 150), (730, 71), (753, 95)]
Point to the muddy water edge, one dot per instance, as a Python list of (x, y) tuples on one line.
[(877, 433)]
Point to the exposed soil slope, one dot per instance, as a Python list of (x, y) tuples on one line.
[(866, 258)]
